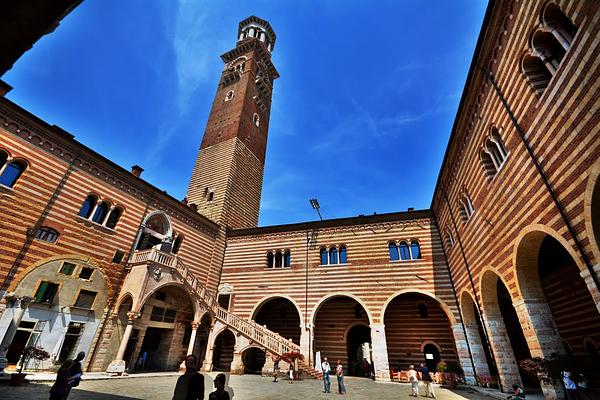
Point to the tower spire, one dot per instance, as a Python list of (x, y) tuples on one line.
[(226, 182)]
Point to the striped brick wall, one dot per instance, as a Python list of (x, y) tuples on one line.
[(561, 128), (369, 278)]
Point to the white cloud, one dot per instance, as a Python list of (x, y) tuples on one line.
[(196, 47)]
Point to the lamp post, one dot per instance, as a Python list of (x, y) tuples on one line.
[(315, 204)]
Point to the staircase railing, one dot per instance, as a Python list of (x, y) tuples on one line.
[(272, 341)]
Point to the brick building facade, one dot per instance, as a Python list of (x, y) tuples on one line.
[(502, 267)]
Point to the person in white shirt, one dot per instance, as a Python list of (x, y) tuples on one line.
[(326, 382), (414, 380)]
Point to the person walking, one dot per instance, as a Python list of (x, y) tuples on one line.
[(276, 368), (220, 393), (414, 381), (77, 369), (190, 385), (326, 370), (339, 373), (426, 378), (61, 388)]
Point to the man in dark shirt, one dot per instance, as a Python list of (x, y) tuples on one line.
[(426, 378), (190, 385)]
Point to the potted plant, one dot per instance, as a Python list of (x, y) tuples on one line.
[(29, 353), (550, 370), (450, 370)]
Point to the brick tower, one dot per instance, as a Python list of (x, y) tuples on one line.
[(226, 182)]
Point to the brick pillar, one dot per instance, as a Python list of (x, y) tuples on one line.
[(477, 349), (591, 285), (380, 353), (508, 371), (462, 351), (541, 334)]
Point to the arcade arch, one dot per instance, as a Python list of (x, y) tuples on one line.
[(341, 332), (556, 296), (505, 333), (417, 329), (161, 333), (224, 346), (476, 336)]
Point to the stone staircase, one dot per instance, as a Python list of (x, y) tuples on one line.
[(266, 338), (309, 370)]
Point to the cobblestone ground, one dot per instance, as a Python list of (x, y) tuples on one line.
[(246, 387)]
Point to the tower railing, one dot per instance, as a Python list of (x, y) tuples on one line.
[(266, 338)]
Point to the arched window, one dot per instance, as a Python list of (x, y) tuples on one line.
[(270, 259), (88, 206), (47, 234), (229, 95), (548, 49), (256, 119), (394, 255), (423, 311), (561, 27), (177, 244), (333, 256), (113, 218), (404, 251), (100, 212), (415, 250), (450, 237), (536, 72), (324, 256), (494, 154), (287, 259), (343, 257), (466, 207), (12, 172), (278, 259)]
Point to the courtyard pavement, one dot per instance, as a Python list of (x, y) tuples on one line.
[(245, 387)]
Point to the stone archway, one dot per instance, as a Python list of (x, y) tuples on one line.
[(56, 304), (224, 346), (556, 300), (410, 319), (333, 319), (162, 329), (476, 335), (506, 336)]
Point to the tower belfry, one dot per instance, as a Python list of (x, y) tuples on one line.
[(226, 182)]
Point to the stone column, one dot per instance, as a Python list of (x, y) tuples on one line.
[(118, 365), (541, 334), (210, 345), (380, 354), (19, 304), (462, 351), (477, 349), (508, 371), (306, 339), (267, 369), (591, 285), (237, 365), (192, 342)]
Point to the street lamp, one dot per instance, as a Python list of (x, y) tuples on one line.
[(315, 204)]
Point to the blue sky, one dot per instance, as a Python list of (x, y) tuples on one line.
[(360, 118)]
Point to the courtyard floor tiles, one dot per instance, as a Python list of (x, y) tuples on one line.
[(245, 387)]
